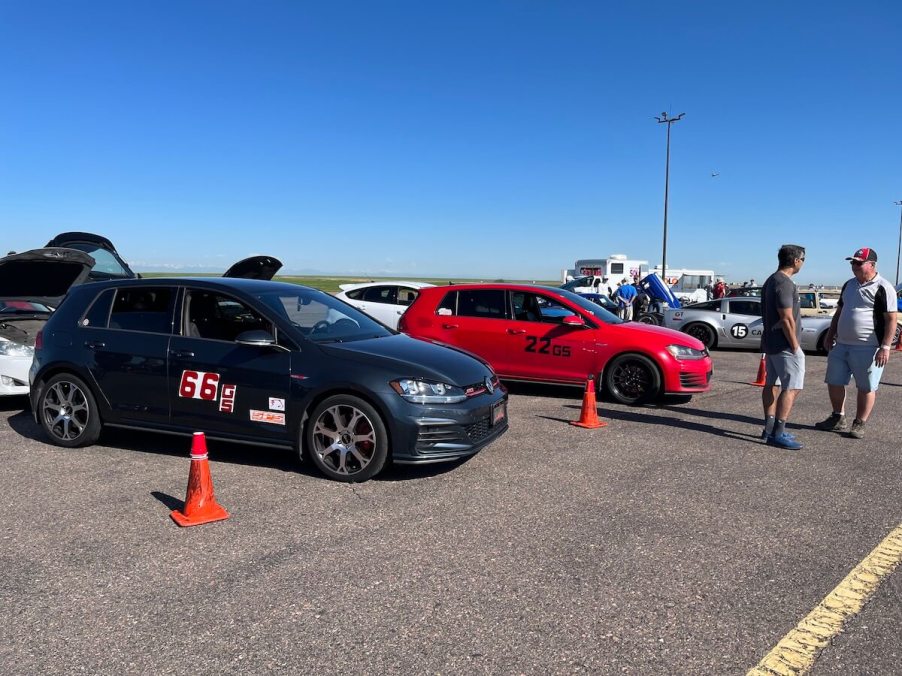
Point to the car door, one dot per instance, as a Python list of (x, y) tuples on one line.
[(382, 304), (742, 323), (219, 386), (475, 320), (543, 346), (125, 335)]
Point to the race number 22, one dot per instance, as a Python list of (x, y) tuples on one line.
[(199, 385)]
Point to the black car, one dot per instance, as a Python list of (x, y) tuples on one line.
[(261, 362)]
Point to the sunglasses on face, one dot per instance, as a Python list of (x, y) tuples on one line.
[(857, 263)]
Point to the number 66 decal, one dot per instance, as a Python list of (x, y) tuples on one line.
[(199, 385)]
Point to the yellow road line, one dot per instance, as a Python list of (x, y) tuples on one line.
[(795, 654)]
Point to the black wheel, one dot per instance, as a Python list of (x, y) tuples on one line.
[(68, 412), (898, 336), (819, 348), (702, 332), (632, 379), (346, 439), (649, 318)]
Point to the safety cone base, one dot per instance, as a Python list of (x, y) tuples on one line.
[(589, 425), (210, 513)]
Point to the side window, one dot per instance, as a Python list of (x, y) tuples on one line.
[(526, 307), (407, 296), (448, 306), (616, 268), (486, 303), (99, 312), (806, 301), (143, 308), (552, 312), (355, 294), (217, 317), (745, 307), (381, 294)]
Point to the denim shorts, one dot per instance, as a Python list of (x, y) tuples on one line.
[(845, 361), (786, 369)]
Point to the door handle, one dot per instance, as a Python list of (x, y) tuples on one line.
[(95, 345), (181, 353), (449, 326), (516, 332)]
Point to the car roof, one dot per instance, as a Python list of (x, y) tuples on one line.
[(387, 282), (248, 286)]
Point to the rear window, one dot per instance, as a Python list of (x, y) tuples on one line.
[(99, 312), (486, 303), (143, 309)]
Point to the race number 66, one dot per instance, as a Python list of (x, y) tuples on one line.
[(199, 385)]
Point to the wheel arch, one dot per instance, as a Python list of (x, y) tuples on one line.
[(651, 357), (319, 397), (715, 331)]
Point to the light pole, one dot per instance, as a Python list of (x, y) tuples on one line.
[(899, 249), (669, 121)]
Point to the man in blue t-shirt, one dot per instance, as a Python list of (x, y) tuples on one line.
[(626, 296)]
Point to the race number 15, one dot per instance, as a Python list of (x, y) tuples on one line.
[(199, 385)]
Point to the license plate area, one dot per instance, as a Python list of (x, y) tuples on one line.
[(499, 412)]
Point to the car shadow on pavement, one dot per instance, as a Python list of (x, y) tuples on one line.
[(15, 403), (646, 415), (236, 453)]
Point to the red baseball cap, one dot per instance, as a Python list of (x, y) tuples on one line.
[(863, 254)]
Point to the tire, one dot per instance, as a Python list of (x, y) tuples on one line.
[(68, 411), (702, 332), (633, 379), (819, 348), (346, 439), (898, 335), (649, 318)]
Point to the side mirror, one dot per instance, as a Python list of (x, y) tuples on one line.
[(573, 320), (257, 338)]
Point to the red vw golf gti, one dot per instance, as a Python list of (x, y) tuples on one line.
[(544, 334)]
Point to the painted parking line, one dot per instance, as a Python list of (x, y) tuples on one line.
[(796, 652)]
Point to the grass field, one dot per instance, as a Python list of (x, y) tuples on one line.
[(330, 284)]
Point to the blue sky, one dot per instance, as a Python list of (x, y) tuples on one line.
[(466, 139)]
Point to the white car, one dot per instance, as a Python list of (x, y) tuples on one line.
[(383, 301)]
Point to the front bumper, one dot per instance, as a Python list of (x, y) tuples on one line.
[(14, 375), (439, 434), (690, 377)]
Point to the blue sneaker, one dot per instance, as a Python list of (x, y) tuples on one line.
[(786, 441), (765, 436)]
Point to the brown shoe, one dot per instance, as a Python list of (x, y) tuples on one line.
[(857, 431), (835, 423)]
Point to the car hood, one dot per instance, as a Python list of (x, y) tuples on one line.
[(43, 275), (255, 267), (412, 358), (662, 334)]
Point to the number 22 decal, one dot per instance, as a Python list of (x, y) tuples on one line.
[(545, 346)]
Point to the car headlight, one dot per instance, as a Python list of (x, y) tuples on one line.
[(686, 353), (11, 349), (426, 392)]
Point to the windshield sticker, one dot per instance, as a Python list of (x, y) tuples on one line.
[(276, 404), (227, 399), (267, 417)]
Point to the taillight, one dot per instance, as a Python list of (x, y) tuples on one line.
[(39, 340)]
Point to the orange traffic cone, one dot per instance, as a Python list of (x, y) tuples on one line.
[(200, 505), (588, 416), (762, 372)]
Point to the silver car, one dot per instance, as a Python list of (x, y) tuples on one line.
[(736, 322)]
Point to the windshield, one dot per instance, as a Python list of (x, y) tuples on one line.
[(106, 264), (22, 307), (591, 308), (576, 283), (322, 318)]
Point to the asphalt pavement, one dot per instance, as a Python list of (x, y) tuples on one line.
[(672, 541)]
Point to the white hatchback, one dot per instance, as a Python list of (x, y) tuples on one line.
[(383, 301)]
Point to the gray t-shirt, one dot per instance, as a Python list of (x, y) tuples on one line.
[(779, 291)]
